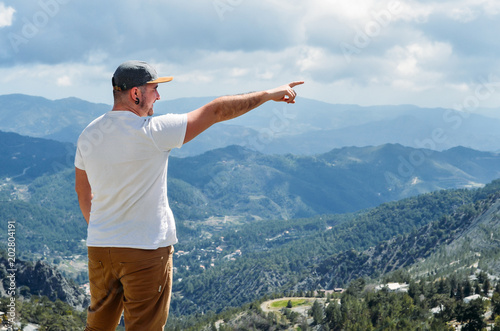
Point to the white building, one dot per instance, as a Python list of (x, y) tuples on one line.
[(394, 287)]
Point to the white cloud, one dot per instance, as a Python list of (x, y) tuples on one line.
[(64, 81), (464, 15), (88, 82), (420, 57), (6, 15), (419, 66), (491, 7), (194, 77), (409, 51)]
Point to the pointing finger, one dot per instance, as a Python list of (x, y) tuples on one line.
[(293, 84)]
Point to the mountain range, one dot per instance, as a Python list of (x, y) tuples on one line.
[(253, 223), (236, 181), (306, 128), (25, 158)]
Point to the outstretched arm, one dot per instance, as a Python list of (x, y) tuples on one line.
[(228, 107)]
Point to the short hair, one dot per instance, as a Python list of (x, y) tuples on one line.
[(119, 96)]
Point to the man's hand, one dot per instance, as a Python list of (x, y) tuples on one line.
[(284, 93)]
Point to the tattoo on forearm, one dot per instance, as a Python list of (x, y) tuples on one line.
[(233, 106)]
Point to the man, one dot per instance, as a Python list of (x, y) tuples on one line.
[(121, 175)]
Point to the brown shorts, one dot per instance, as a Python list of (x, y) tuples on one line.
[(136, 282)]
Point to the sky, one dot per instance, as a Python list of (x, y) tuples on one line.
[(368, 52)]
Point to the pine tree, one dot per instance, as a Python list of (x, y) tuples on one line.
[(495, 304), (486, 287), (317, 312), (467, 289), (333, 316)]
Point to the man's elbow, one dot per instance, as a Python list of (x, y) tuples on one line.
[(84, 197)]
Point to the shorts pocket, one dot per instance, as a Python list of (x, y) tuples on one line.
[(142, 280), (96, 277)]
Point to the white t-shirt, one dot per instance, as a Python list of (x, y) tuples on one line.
[(126, 158)]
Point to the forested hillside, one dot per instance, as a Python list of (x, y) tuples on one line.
[(290, 256), (468, 235), (24, 158), (239, 182), (422, 235), (252, 225), (276, 258), (460, 301), (297, 257), (233, 185)]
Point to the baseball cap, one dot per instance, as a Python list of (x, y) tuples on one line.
[(135, 73)]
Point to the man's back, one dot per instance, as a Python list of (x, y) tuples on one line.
[(125, 157)]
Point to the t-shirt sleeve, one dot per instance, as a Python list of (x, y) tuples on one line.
[(168, 131)]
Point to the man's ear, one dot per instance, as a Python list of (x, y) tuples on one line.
[(134, 93)]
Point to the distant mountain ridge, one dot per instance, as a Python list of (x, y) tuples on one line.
[(61, 120), (25, 158), (306, 128), (236, 181), (239, 181)]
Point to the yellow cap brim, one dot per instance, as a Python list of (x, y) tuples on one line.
[(161, 80)]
